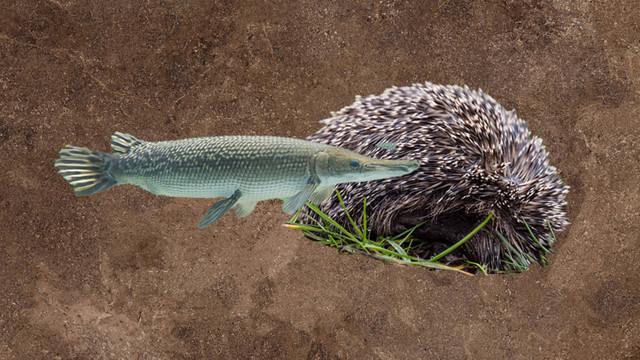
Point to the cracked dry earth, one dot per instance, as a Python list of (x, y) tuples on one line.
[(128, 275)]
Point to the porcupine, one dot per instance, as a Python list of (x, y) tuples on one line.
[(475, 158)]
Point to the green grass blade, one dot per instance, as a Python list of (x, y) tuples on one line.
[(326, 218), (553, 235), (482, 268), (543, 260), (423, 263), (295, 216), (408, 232), (397, 247), (464, 239), (364, 217), (353, 223), (519, 262), (534, 237), (329, 220)]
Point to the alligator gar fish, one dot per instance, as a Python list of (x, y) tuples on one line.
[(243, 169)]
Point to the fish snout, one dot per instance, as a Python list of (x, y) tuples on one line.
[(392, 167)]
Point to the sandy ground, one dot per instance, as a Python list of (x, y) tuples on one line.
[(128, 275)]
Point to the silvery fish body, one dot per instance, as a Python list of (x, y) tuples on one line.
[(243, 169), (218, 166)]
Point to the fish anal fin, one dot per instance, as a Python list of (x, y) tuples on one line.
[(122, 143), (243, 208), (320, 195), (292, 204), (218, 209)]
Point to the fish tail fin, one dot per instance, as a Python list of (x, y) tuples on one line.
[(87, 171)]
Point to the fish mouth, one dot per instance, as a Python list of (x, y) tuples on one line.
[(395, 166)]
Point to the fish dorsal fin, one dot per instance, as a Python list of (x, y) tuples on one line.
[(122, 143)]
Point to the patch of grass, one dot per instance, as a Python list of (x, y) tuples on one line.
[(397, 249), (394, 249), (518, 261)]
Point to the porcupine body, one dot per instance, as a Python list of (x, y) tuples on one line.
[(475, 158)]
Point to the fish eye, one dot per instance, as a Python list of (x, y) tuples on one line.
[(354, 164)]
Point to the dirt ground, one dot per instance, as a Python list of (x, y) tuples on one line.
[(125, 274)]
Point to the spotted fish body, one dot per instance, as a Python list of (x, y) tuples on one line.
[(243, 169)]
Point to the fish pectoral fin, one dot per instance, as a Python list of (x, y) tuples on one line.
[(218, 209), (243, 208), (321, 195), (299, 199)]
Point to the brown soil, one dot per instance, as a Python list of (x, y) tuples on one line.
[(125, 274)]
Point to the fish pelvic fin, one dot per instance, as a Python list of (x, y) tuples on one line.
[(87, 171), (218, 209), (244, 208), (292, 204), (123, 143), (320, 195)]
